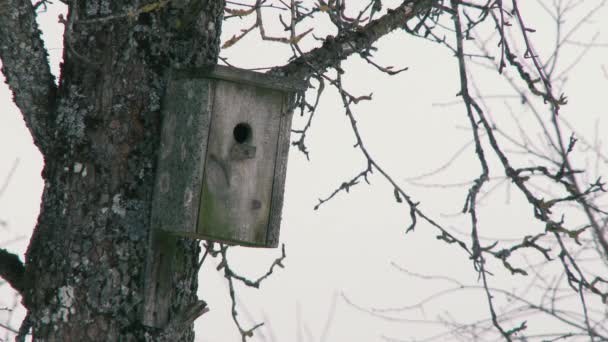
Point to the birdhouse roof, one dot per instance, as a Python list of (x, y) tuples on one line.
[(243, 76)]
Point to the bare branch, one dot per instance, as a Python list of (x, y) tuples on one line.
[(12, 269), (336, 49), (25, 66), (232, 276), (24, 329)]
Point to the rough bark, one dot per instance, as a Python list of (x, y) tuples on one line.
[(25, 67), (85, 268), (86, 263)]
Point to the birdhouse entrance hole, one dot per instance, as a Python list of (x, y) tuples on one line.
[(242, 132)]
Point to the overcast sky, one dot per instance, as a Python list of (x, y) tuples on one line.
[(413, 126)]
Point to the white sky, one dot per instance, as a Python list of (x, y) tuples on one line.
[(348, 245)]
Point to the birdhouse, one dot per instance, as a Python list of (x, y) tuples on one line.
[(223, 155)]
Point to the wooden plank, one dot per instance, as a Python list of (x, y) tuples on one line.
[(186, 116), (236, 192), (243, 76), (158, 291), (186, 113), (280, 171)]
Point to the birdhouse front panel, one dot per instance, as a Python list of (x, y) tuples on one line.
[(223, 156), (240, 162)]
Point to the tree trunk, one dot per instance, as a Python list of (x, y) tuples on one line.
[(87, 261)]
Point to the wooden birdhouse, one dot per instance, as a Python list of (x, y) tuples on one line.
[(223, 156)]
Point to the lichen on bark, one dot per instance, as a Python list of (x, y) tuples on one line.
[(86, 264)]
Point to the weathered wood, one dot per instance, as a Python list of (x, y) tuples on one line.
[(186, 118), (223, 156), (243, 76), (236, 192), (175, 207), (280, 172), (158, 293)]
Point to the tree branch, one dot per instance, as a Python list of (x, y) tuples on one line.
[(12, 269), (334, 50), (26, 68)]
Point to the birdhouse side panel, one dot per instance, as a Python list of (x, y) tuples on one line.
[(185, 127), (239, 169), (280, 172)]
